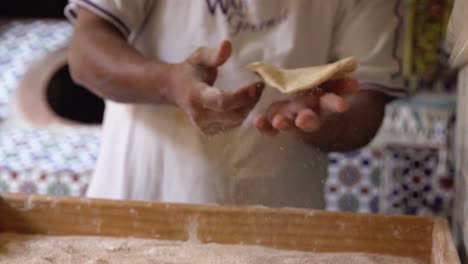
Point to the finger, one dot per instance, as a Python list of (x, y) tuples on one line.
[(211, 57), (282, 123), (343, 87), (308, 120), (290, 109), (223, 53), (333, 103), (217, 100), (262, 124)]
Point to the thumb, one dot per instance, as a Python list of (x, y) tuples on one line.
[(211, 57)]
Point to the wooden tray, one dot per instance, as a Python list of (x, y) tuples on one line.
[(424, 238)]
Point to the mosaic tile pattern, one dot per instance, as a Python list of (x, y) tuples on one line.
[(22, 42), (409, 168), (418, 182), (39, 182), (353, 182), (56, 162), (397, 179), (35, 161), (52, 152)]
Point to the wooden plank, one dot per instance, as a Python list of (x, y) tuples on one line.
[(443, 250), (306, 230)]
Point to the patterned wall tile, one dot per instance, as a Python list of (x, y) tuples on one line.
[(22, 42), (353, 181), (58, 162), (417, 181)]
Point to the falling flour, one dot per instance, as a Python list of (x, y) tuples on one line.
[(29, 249)]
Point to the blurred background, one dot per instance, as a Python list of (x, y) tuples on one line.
[(47, 147), (26, 8)]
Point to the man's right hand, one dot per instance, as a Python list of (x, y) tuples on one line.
[(101, 59), (190, 87)]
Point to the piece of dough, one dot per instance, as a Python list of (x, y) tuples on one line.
[(297, 80)]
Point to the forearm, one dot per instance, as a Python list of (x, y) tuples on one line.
[(101, 60), (354, 128)]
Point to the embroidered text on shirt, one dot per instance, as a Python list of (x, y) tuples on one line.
[(236, 13)]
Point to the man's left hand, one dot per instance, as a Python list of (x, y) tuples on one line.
[(305, 114)]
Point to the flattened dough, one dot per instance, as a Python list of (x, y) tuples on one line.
[(297, 80)]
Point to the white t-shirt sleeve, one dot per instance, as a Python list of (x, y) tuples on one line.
[(126, 15), (371, 30)]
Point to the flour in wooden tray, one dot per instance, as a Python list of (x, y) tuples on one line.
[(28, 249)]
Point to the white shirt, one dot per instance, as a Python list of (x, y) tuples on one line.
[(154, 152)]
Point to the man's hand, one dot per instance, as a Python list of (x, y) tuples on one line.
[(190, 86), (304, 116)]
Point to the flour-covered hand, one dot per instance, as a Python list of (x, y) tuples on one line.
[(211, 109)]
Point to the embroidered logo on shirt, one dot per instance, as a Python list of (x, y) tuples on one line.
[(237, 16)]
